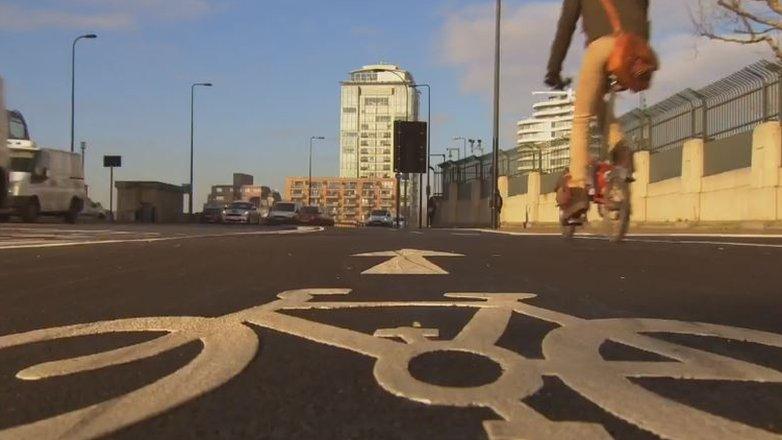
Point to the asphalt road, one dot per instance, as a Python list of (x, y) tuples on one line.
[(367, 346)]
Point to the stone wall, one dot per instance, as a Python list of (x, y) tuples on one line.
[(752, 194)]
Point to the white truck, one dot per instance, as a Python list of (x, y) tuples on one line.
[(41, 181)]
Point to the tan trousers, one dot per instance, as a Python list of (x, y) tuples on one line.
[(590, 104)]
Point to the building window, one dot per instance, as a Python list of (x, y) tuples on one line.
[(364, 76), (376, 101), (348, 109)]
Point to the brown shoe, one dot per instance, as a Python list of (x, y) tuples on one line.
[(579, 204)]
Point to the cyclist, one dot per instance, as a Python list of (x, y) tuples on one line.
[(593, 85)]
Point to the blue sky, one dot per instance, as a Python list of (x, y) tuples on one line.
[(276, 66)]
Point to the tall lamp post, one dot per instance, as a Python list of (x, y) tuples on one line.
[(309, 186), (406, 83), (428, 150), (192, 132), (496, 129), (73, 83)]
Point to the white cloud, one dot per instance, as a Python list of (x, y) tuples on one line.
[(97, 14), (466, 44)]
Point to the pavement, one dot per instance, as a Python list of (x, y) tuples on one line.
[(214, 332)]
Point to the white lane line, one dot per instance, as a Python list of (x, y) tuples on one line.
[(635, 234), (639, 238), (301, 230), (717, 243)]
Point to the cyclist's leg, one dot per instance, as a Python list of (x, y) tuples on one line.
[(589, 101), (618, 149)]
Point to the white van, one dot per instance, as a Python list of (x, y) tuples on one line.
[(42, 181)]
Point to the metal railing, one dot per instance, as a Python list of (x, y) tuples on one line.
[(732, 105)]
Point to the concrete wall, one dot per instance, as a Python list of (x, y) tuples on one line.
[(167, 204), (752, 194)]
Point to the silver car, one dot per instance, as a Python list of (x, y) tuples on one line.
[(241, 212), (283, 213), (380, 217)]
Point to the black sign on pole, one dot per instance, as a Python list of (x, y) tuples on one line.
[(409, 147), (112, 162)]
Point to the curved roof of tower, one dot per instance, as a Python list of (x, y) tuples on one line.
[(380, 66)]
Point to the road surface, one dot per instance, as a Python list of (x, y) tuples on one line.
[(215, 332)]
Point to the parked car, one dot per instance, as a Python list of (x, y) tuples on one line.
[(314, 216), (283, 212), (212, 214), (94, 210), (380, 217), (241, 212)]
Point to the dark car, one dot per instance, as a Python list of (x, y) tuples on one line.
[(312, 215), (212, 215)]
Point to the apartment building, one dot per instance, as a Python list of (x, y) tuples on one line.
[(347, 200), (371, 100)]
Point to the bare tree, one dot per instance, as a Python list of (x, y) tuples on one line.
[(742, 22)]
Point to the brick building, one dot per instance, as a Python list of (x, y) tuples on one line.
[(347, 200)]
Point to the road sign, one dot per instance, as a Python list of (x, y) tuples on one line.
[(112, 161), (409, 147)]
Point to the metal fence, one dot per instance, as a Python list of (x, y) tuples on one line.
[(732, 105)]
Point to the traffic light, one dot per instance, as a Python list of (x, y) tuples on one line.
[(409, 147)]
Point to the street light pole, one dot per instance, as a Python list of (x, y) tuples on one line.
[(406, 83), (496, 129), (73, 84), (192, 132), (309, 187), (428, 150)]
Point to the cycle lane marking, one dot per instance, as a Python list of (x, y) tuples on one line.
[(407, 262), (571, 352)]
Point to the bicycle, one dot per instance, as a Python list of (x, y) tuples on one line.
[(609, 189)]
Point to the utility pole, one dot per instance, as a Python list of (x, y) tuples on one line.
[(496, 129), (192, 142), (73, 83), (83, 148), (309, 185)]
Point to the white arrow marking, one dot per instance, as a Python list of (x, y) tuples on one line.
[(407, 262)]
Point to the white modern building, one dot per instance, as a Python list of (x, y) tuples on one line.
[(372, 99), (543, 139)]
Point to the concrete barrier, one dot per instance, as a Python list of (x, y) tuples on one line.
[(751, 194)]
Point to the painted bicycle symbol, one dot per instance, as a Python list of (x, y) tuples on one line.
[(571, 352)]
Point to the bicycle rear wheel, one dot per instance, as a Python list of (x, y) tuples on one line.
[(616, 218)]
